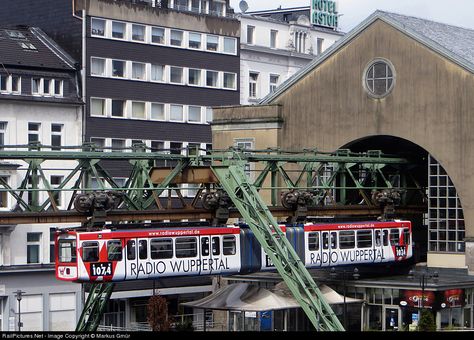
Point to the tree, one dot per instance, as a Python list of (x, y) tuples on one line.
[(427, 322), (157, 314)]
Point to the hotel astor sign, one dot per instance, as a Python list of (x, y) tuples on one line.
[(324, 13)]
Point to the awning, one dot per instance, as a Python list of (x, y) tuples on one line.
[(247, 297)]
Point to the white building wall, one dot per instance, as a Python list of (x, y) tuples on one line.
[(283, 60), (48, 304)]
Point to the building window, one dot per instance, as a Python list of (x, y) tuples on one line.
[(176, 38), (230, 45), (47, 87), (194, 114), (208, 114), (319, 44), (33, 247), (118, 145), (118, 68), (58, 87), (194, 77), (98, 27), (300, 42), (118, 108), (229, 81), (176, 113), (195, 40), (176, 75), (273, 38), (55, 183), (138, 71), (35, 85), (274, 78), (138, 110), (212, 78), (157, 111), (3, 132), (157, 72), (16, 84), (250, 34), (138, 33), (56, 136), (98, 107), (176, 148), (118, 30), (3, 82), (34, 132), (212, 43), (98, 67), (157, 35), (157, 145), (253, 82), (379, 78)]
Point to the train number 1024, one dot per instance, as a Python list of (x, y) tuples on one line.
[(400, 251), (101, 269)]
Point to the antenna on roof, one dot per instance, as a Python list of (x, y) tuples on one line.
[(243, 6)]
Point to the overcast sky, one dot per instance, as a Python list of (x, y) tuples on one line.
[(454, 12)]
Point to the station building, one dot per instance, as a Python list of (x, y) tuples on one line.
[(402, 85)]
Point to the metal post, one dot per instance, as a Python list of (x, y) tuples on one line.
[(345, 292), (18, 295)]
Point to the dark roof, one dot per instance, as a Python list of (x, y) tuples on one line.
[(31, 47)]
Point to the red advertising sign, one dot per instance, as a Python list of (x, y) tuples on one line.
[(413, 298), (453, 298)]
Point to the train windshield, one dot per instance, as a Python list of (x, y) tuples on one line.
[(67, 251)]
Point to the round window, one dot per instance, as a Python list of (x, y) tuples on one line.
[(379, 78)]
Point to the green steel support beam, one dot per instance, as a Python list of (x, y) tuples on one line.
[(94, 307), (277, 247)]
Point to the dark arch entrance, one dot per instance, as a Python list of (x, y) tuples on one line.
[(418, 158)]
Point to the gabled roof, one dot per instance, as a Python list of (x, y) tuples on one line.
[(31, 47), (454, 43)]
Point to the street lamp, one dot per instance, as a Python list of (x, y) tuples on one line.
[(18, 295), (355, 275)]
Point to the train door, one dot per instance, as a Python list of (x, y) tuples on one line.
[(187, 256), (131, 260), (115, 256), (210, 256), (329, 251)]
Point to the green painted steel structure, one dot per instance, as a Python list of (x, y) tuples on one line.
[(350, 177)]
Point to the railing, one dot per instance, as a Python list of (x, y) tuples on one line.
[(134, 327)]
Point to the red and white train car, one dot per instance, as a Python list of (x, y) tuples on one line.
[(119, 255)]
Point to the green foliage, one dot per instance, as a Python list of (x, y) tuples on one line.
[(427, 321)]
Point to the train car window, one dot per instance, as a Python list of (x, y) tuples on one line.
[(406, 236), (142, 249), (186, 247), (346, 239), (378, 238), (333, 240), (229, 245), (67, 251), (131, 250), (216, 248), (385, 237), (90, 251), (394, 237), (161, 248), (364, 238), (204, 246), (325, 241), (313, 241), (114, 250)]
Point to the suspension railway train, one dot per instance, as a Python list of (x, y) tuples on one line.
[(119, 255)]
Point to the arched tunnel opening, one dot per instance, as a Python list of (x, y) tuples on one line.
[(418, 169)]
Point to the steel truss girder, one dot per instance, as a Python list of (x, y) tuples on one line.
[(99, 295), (267, 231)]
